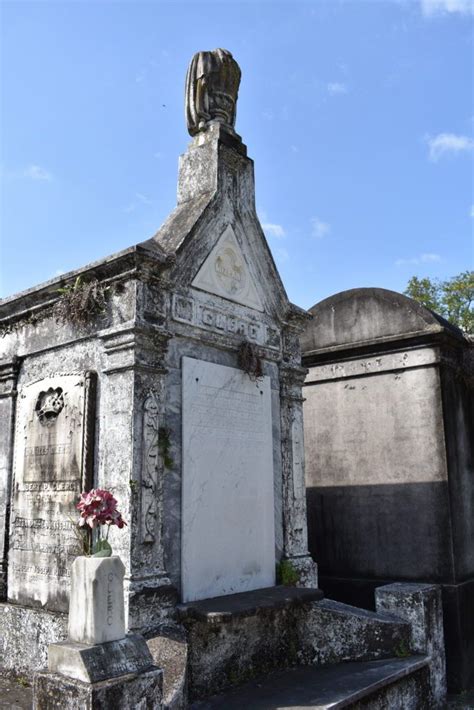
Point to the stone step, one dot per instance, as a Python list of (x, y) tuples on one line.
[(235, 638), (395, 683), (232, 606)]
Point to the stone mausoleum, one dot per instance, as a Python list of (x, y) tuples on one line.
[(170, 373), (389, 434), (146, 397)]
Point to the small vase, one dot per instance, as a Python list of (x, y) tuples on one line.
[(96, 608)]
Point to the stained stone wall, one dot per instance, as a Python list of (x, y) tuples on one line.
[(198, 289), (389, 430)]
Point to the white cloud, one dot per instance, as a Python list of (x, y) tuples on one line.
[(319, 229), (472, 211), (273, 230), (448, 144), (431, 8), (143, 198), (35, 172), (337, 87), (426, 258), (139, 197)]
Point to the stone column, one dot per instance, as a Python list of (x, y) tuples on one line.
[(295, 532), (8, 380), (132, 465)]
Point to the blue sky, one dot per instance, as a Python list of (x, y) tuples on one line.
[(359, 116)]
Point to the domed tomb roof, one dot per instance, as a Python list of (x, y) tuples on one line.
[(362, 315)]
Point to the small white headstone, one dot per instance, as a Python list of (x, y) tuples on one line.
[(96, 610)]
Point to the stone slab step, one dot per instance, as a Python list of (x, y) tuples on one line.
[(231, 606), (327, 688)]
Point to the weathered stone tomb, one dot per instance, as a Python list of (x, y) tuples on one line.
[(177, 386), (389, 432)]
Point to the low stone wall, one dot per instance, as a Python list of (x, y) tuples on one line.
[(25, 634), (332, 632)]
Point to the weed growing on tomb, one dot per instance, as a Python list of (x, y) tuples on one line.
[(249, 361), (402, 650), (81, 302), (164, 447), (286, 574)]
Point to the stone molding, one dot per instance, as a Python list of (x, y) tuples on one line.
[(8, 377), (135, 347), (390, 362)]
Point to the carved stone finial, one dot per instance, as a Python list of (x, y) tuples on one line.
[(212, 85)]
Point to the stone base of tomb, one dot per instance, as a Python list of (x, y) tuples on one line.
[(94, 663), (53, 690), (307, 570), (236, 638), (116, 674), (26, 632)]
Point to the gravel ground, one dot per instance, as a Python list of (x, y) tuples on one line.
[(15, 694)]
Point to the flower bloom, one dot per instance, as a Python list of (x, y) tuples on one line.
[(99, 507)]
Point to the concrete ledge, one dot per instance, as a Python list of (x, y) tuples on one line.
[(232, 606), (393, 683)]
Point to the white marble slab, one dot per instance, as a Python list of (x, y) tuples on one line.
[(49, 477), (228, 507)]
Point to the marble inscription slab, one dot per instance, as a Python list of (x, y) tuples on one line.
[(52, 465), (228, 540)]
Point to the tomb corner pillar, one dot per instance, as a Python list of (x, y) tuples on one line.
[(8, 381), (132, 463), (295, 531)]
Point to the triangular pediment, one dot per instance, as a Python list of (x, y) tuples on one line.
[(225, 273)]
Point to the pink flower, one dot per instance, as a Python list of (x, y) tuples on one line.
[(99, 507)]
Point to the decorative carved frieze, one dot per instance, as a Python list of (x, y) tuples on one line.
[(150, 469), (185, 310)]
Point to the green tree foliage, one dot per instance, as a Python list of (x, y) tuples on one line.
[(453, 299)]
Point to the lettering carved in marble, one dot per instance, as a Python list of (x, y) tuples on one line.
[(52, 465)]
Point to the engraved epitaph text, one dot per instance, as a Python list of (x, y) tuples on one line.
[(52, 462)]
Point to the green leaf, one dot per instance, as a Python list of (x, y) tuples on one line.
[(102, 548), (453, 299)]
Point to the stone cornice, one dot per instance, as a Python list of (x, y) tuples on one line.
[(135, 262), (436, 336)]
